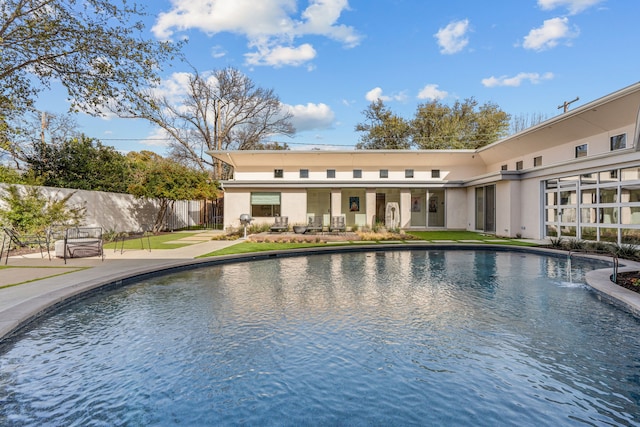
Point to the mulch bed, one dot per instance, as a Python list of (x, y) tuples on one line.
[(629, 280)]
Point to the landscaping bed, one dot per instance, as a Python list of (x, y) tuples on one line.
[(629, 280)]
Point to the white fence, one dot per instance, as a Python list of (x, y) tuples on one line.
[(121, 212)]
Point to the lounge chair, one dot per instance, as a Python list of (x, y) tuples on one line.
[(18, 240), (338, 224), (315, 224), (281, 224)]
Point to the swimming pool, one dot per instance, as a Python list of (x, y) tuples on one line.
[(401, 337)]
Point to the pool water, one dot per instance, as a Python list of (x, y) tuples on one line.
[(373, 338)]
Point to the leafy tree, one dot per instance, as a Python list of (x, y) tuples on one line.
[(94, 48), (82, 163), (439, 126), (224, 110), (166, 180), (10, 176), (434, 126), (383, 129), (32, 212)]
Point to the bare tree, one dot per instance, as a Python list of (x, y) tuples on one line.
[(224, 110), (35, 130), (524, 121)]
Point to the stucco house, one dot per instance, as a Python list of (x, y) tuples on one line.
[(575, 175)]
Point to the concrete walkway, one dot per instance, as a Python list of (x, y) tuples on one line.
[(32, 284)]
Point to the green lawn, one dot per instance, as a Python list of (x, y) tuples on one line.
[(452, 235), (455, 236), (157, 242), (248, 247)]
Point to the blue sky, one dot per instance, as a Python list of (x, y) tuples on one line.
[(327, 60)]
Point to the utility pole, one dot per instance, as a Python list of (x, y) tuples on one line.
[(565, 104)]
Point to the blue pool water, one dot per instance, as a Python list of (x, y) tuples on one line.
[(390, 338)]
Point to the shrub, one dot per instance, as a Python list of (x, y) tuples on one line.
[(625, 251), (556, 242), (32, 212)]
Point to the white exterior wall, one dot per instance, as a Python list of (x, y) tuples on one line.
[(237, 203), (294, 206), (456, 208), (530, 209)]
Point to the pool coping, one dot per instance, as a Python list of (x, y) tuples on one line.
[(19, 316)]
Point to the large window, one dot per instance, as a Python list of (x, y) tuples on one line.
[(265, 204), (601, 205)]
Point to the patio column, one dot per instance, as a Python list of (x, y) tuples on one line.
[(336, 201), (370, 205)]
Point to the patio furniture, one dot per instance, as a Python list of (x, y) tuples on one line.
[(338, 224), (315, 224), (281, 224), (145, 230), (80, 242), (19, 240)]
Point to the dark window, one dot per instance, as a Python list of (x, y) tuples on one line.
[(537, 161), (384, 173), (357, 173), (408, 173), (435, 173), (331, 173), (519, 165), (581, 151), (278, 173), (503, 167), (619, 142), (304, 173)]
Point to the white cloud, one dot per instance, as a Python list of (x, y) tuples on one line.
[(157, 138), (516, 80), (271, 26), (452, 38), (376, 93), (282, 55), (574, 6), (311, 116), (548, 36), (431, 92)]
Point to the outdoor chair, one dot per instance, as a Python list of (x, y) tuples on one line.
[(81, 242), (145, 230), (315, 224), (18, 240), (281, 224), (338, 224)]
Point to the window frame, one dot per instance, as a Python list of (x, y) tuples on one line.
[(618, 142), (581, 150), (278, 173), (409, 173), (331, 173)]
